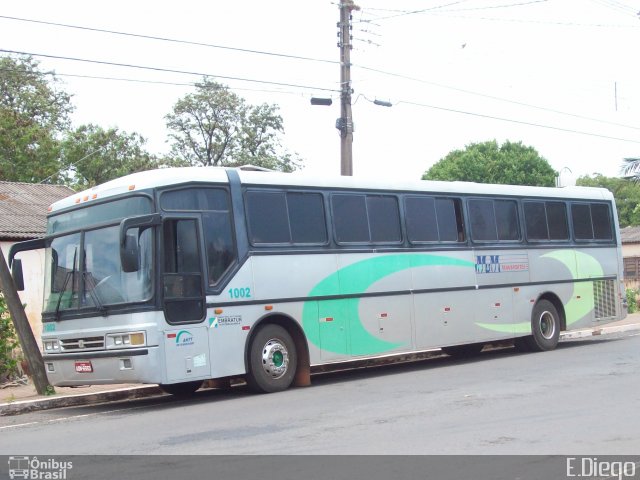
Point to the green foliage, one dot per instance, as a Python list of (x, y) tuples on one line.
[(625, 192), (34, 113), (8, 343), (510, 163), (216, 127), (632, 303), (92, 155)]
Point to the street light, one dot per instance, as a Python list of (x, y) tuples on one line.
[(321, 101)]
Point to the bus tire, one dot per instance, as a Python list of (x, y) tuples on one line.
[(184, 389), (463, 351), (272, 360), (545, 327)]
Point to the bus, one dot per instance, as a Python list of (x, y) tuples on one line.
[(178, 276)]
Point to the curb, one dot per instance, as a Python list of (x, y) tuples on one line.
[(604, 330), (24, 406), (130, 393)]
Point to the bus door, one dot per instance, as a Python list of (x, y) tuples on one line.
[(184, 303)]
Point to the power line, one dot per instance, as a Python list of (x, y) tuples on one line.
[(400, 13), (412, 12), (171, 40), (537, 22), (492, 97), (617, 7), (520, 122), (169, 70)]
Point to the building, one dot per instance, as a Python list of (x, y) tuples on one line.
[(23, 213), (630, 237)]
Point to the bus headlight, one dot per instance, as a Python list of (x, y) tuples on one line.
[(50, 345), (124, 340)]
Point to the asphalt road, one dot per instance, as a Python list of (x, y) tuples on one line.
[(582, 398)]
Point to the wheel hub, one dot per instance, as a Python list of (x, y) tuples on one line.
[(547, 325), (275, 358)]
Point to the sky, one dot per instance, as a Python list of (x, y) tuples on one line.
[(561, 76)]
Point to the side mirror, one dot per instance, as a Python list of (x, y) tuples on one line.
[(130, 253), (16, 273), (129, 247)]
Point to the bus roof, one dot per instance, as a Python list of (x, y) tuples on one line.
[(175, 176)]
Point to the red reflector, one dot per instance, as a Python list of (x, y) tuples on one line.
[(84, 367), (447, 309), (171, 335), (497, 304), (383, 315), (245, 327), (328, 319)]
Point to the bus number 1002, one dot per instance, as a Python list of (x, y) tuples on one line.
[(240, 292)]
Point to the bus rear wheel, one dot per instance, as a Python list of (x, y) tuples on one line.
[(545, 328), (272, 360), (184, 389)]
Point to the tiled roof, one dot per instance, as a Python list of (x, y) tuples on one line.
[(23, 208), (630, 234)]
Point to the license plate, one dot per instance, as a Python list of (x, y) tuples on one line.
[(84, 367)]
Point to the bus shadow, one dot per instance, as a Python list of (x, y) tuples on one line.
[(332, 374)]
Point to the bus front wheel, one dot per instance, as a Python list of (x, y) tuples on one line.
[(272, 360), (545, 327)]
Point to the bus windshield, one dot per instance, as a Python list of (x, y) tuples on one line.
[(83, 271)]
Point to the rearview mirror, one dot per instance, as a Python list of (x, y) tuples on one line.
[(16, 273), (129, 246)]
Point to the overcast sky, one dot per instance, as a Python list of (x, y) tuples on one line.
[(455, 72)]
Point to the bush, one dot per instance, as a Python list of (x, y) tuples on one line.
[(8, 344), (632, 303)]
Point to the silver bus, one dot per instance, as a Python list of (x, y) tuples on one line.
[(177, 276)]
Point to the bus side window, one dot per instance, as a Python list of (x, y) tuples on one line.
[(219, 244)]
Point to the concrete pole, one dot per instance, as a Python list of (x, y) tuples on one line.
[(345, 122)]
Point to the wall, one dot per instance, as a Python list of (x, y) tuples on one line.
[(32, 296)]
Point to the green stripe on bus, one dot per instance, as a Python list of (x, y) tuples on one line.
[(353, 279), (581, 303)]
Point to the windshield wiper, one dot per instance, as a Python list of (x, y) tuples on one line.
[(89, 280)]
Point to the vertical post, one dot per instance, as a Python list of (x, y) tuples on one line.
[(345, 122), (23, 329)]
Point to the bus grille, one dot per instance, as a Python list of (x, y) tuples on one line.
[(81, 344), (604, 299)]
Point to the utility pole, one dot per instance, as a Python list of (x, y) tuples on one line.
[(345, 122), (23, 329)]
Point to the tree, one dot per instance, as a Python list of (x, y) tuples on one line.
[(631, 169), (34, 112), (92, 155), (625, 192), (216, 127), (509, 163)]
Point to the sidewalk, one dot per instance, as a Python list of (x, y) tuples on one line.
[(17, 399)]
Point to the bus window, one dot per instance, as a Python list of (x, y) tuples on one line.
[(432, 219), (493, 220), (592, 221), (366, 218), (581, 219), (286, 218), (546, 221), (216, 223)]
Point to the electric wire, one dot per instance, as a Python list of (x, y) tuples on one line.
[(519, 122), (171, 40), (168, 70), (493, 97)]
